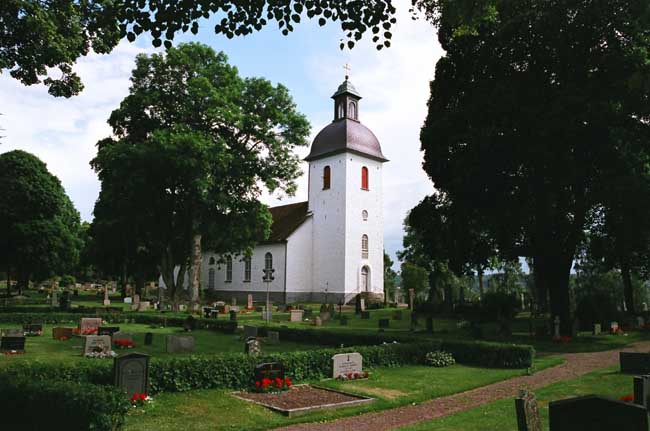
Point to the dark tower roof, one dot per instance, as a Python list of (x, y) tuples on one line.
[(346, 133)]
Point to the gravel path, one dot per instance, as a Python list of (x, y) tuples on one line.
[(576, 365)]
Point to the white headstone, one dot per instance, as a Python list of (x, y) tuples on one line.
[(613, 326), (128, 300), (597, 329), (346, 363), (296, 315), (97, 344), (556, 323)]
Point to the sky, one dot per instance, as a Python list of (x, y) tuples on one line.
[(394, 83)]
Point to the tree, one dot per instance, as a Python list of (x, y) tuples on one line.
[(39, 226), (532, 107), (194, 146), (38, 35), (414, 277), (389, 278)]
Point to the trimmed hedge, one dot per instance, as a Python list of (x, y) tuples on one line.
[(324, 337), (491, 355), (38, 405), (49, 310)]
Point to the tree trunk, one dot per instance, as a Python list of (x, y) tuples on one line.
[(22, 281), (123, 279), (541, 288), (195, 283), (8, 282), (554, 274), (480, 282), (628, 293), (139, 282)]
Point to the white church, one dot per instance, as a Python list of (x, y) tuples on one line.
[(329, 248)]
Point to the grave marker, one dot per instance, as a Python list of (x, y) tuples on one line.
[(273, 336), (89, 323), (12, 332), (180, 344), (33, 329), (318, 321), (250, 331), (123, 336), (642, 390), (634, 362), (131, 373), (346, 363), (59, 333), (253, 347), (296, 315), (128, 300), (593, 413), (97, 344), (597, 329), (12, 344), (527, 412), (269, 370), (108, 330), (249, 303), (148, 338)]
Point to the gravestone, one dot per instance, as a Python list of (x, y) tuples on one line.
[(107, 301), (384, 323), (317, 321), (124, 336), (148, 338), (144, 306), (593, 413), (249, 303), (634, 362), (54, 299), (324, 316), (131, 373), (556, 326), (642, 390), (597, 329), (180, 344), (362, 302), (128, 300), (250, 331), (61, 333), (89, 323), (613, 327), (346, 363), (253, 347), (357, 304), (527, 412), (33, 329), (12, 344), (296, 315), (365, 315), (108, 330), (13, 332), (233, 316), (97, 344), (269, 370), (273, 336), (397, 315)]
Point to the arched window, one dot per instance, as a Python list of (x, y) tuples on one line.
[(228, 269), (364, 246), (247, 269), (352, 110), (364, 178), (365, 280), (268, 261), (212, 261), (211, 279), (327, 175), (341, 113)]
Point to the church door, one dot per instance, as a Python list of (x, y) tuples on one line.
[(211, 279), (364, 279)]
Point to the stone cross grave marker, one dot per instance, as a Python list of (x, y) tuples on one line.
[(59, 333), (527, 412), (89, 323), (253, 347), (148, 338), (97, 344), (346, 363), (269, 370), (108, 330), (593, 413), (180, 344), (12, 344), (131, 373), (597, 329), (250, 331)]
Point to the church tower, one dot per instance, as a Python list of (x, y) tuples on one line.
[(345, 198)]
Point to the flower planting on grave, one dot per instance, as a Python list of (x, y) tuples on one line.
[(627, 398), (87, 331), (273, 385), (124, 344), (562, 339), (140, 400), (439, 359), (353, 376)]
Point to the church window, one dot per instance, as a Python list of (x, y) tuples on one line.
[(352, 110), (326, 177), (247, 268), (212, 260), (364, 178), (341, 113), (268, 261), (364, 246), (364, 215), (229, 269), (211, 278)]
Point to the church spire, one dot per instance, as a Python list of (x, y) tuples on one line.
[(346, 100)]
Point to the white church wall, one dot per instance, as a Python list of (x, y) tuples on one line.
[(328, 208), (359, 200), (299, 262)]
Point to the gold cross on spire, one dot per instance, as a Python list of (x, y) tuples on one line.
[(347, 71)]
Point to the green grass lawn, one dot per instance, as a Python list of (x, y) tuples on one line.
[(501, 416), (392, 387), (45, 348)]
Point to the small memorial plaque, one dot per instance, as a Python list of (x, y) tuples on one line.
[(346, 363), (296, 315), (12, 344), (97, 344), (269, 370), (131, 373)]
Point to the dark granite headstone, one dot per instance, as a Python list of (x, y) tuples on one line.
[(365, 315), (33, 329), (527, 412), (593, 413), (131, 373), (269, 370), (357, 305), (148, 338), (642, 390), (384, 323), (250, 331), (108, 330), (233, 316), (634, 362), (9, 344), (61, 333)]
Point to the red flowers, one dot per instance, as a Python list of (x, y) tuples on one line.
[(562, 339), (353, 376), (124, 344), (271, 385), (627, 398), (139, 399), (87, 331)]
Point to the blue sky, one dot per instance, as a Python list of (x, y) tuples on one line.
[(394, 83)]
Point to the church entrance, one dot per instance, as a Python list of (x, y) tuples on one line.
[(365, 279)]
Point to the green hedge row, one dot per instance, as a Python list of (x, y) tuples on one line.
[(144, 318), (325, 337), (491, 355), (49, 310), (37, 405)]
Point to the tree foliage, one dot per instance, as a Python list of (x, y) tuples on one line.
[(194, 146), (39, 226), (37, 35), (390, 278), (533, 107)]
